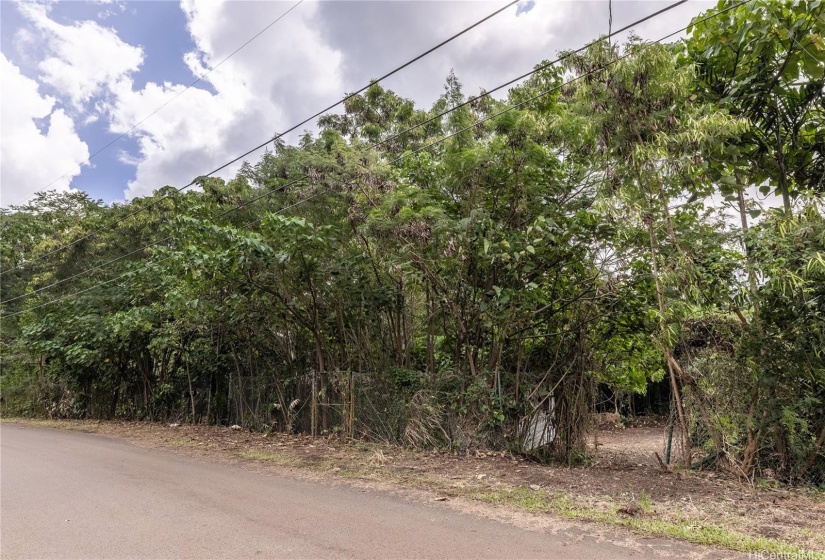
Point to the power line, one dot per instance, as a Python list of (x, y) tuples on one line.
[(187, 88), (460, 105), (283, 187), (485, 94), (147, 117), (609, 20), (396, 160), (277, 136), (535, 70), (116, 278)]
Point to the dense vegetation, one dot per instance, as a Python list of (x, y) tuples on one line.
[(499, 260)]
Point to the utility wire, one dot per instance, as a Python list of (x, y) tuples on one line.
[(144, 119), (403, 156), (187, 88), (609, 21), (279, 135), (535, 70), (122, 276), (437, 116), (485, 94), (283, 187)]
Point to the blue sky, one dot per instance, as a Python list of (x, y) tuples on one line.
[(163, 56), (77, 75)]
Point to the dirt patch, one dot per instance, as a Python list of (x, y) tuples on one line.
[(607, 420), (624, 485)]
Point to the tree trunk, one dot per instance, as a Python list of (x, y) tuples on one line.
[(686, 454), (700, 402), (743, 216), (820, 441), (115, 398), (191, 393), (430, 332), (240, 387), (783, 174)]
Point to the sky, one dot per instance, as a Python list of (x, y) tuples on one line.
[(76, 76)]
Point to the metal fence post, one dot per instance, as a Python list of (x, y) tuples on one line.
[(314, 405), (351, 405)]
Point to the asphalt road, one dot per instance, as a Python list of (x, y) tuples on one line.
[(73, 495)]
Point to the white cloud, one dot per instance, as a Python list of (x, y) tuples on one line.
[(307, 61), (276, 80), (499, 49), (32, 159), (114, 6), (84, 59), (322, 50)]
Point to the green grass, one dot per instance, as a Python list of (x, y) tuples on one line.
[(524, 498), (190, 443), (540, 501), (815, 535), (286, 460), (645, 502), (277, 458), (717, 536), (350, 474)]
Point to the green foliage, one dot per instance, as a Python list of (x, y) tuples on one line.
[(481, 272), (764, 61)]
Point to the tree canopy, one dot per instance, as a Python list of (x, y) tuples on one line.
[(443, 276)]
